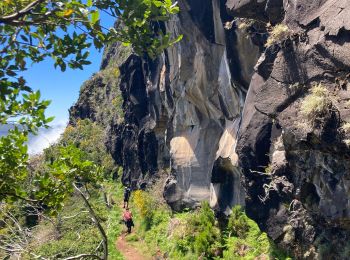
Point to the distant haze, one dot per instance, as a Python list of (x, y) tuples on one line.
[(44, 138)]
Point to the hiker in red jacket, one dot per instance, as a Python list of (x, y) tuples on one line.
[(127, 217)]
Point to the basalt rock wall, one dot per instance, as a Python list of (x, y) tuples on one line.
[(182, 111), (296, 169)]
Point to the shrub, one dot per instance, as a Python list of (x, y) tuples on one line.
[(201, 233), (196, 234), (317, 103), (145, 206), (110, 75), (117, 102), (278, 34), (78, 233), (245, 240), (238, 223), (113, 225), (88, 136)]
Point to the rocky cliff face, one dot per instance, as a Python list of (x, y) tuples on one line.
[(303, 199), (233, 122), (182, 111)]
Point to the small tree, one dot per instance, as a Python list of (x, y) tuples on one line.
[(50, 187), (69, 173), (32, 30)]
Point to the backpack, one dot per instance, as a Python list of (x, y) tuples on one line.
[(127, 193), (127, 216)]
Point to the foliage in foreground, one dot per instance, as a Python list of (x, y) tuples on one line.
[(33, 30), (78, 164), (74, 232), (190, 235), (70, 232)]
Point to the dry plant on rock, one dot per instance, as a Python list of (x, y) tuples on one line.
[(278, 34), (316, 104)]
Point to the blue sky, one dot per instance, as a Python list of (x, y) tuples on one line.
[(60, 87)]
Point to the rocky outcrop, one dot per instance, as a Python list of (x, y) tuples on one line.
[(219, 110), (303, 199), (182, 111)]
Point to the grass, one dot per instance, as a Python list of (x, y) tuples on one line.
[(316, 104), (245, 23), (278, 34), (114, 227), (268, 169)]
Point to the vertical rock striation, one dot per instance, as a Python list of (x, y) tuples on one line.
[(205, 106), (182, 111)]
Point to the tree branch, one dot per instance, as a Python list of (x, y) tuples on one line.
[(81, 256), (21, 13), (97, 223), (17, 196)]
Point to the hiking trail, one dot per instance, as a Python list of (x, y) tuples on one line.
[(129, 252)]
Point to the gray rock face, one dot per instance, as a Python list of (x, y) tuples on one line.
[(305, 195), (206, 104), (264, 10), (182, 111), (203, 106)]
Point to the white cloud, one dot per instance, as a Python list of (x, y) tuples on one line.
[(45, 138)]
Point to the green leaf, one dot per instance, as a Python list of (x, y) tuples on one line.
[(50, 119), (95, 16)]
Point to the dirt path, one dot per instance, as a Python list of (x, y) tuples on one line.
[(129, 252)]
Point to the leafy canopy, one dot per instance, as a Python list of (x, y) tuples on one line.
[(55, 182), (32, 30)]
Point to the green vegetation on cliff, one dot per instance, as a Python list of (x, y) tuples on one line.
[(196, 234)]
